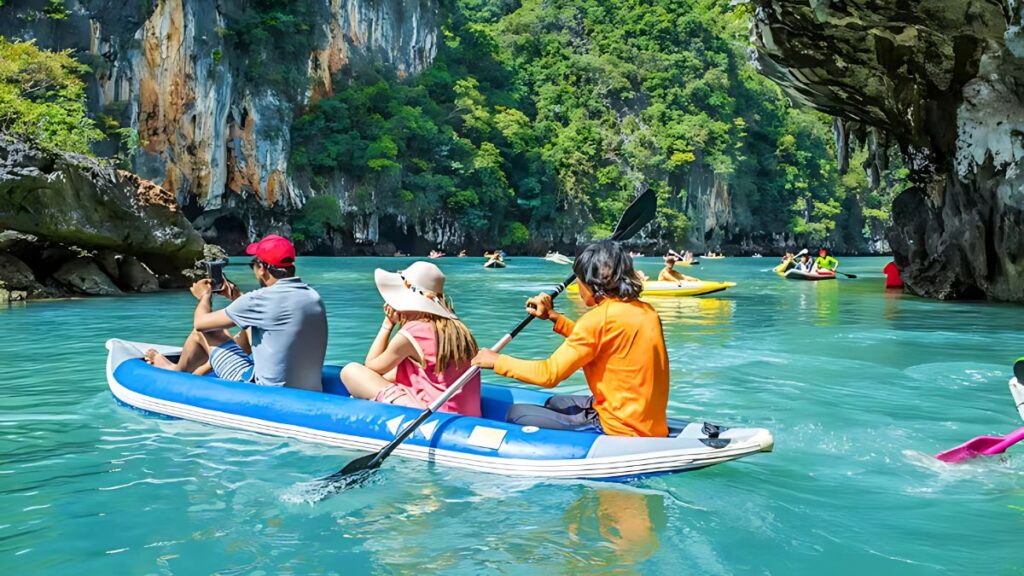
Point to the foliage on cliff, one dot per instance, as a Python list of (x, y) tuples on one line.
[(538, 109), (42, 98)]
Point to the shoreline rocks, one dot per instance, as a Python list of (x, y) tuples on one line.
[(70, 225)]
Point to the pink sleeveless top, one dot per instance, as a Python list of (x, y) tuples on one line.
[(425, 383)]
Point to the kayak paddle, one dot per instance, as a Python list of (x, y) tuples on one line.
[(639, 214), (852, 276), (981, 446)]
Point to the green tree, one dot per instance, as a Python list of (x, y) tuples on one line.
[(42, 98)]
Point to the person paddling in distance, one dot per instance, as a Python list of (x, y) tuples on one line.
[(284, 320), (618, 344), (670, 274), (825, 263), (805, 264), (788, 261), (431, 349)]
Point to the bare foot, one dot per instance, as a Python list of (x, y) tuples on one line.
[(159, 360)]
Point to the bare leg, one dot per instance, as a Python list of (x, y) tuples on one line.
[(194, 353), (362, 382)]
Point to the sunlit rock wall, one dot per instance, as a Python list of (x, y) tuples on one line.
[(220, 144)]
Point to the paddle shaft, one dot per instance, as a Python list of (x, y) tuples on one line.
[(1007, 441)]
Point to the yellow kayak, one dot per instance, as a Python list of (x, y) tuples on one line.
[(654, 288)]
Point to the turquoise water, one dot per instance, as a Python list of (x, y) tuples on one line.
[(859, 386)]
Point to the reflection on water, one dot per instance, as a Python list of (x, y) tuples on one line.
[(625, 522), (826, 300), (694, 311)]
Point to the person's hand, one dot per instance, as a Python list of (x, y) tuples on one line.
[(485, 358), (541, 306), (391, 317), (230, 290), (202, 289)]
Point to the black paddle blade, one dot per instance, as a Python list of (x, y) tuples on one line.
[(639, 214), (355, 473)]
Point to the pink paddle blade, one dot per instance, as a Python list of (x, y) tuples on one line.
[(981, 446)]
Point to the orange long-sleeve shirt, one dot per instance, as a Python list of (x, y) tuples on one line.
[(621, 349)]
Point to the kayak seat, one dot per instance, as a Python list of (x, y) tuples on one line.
[(494, 400)]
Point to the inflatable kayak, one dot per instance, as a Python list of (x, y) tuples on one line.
[(795, 274), (655, 288), (783, 266), (487, 444), (557, 258)]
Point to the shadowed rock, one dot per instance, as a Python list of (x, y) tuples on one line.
[(943, 81), (65, 212), (83, 276)]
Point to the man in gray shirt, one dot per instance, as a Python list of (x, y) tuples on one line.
[(284, 326)]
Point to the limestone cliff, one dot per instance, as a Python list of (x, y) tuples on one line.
[(943, 81), (173, 70)]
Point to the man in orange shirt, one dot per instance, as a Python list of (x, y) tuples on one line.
[(618, 344)]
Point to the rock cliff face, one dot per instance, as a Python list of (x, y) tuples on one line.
[(215, 138), (71, 225), (944, 81)]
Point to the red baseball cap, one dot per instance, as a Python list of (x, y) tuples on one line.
[(274, 250)]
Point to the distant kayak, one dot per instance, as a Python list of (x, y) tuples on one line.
[(557, 258), (795, 274), (675, 289), (706, 257), (494, 264)]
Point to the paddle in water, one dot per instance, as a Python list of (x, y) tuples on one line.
[(981, 446), (639, 214)]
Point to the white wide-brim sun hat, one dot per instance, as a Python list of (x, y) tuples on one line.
[(418, 288)]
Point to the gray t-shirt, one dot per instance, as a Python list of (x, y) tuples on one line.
[(289, 333)]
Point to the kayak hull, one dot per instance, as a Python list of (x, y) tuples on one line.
[(674, 289), (795, 274), (487, 445), (494, 264)]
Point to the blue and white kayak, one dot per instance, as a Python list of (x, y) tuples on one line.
[(487, 444)]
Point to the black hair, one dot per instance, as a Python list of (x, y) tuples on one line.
[(607, 269)]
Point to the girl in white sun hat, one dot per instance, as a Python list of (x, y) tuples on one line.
[(430, 351)]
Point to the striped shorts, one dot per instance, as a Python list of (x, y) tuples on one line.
[(230, 362)]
